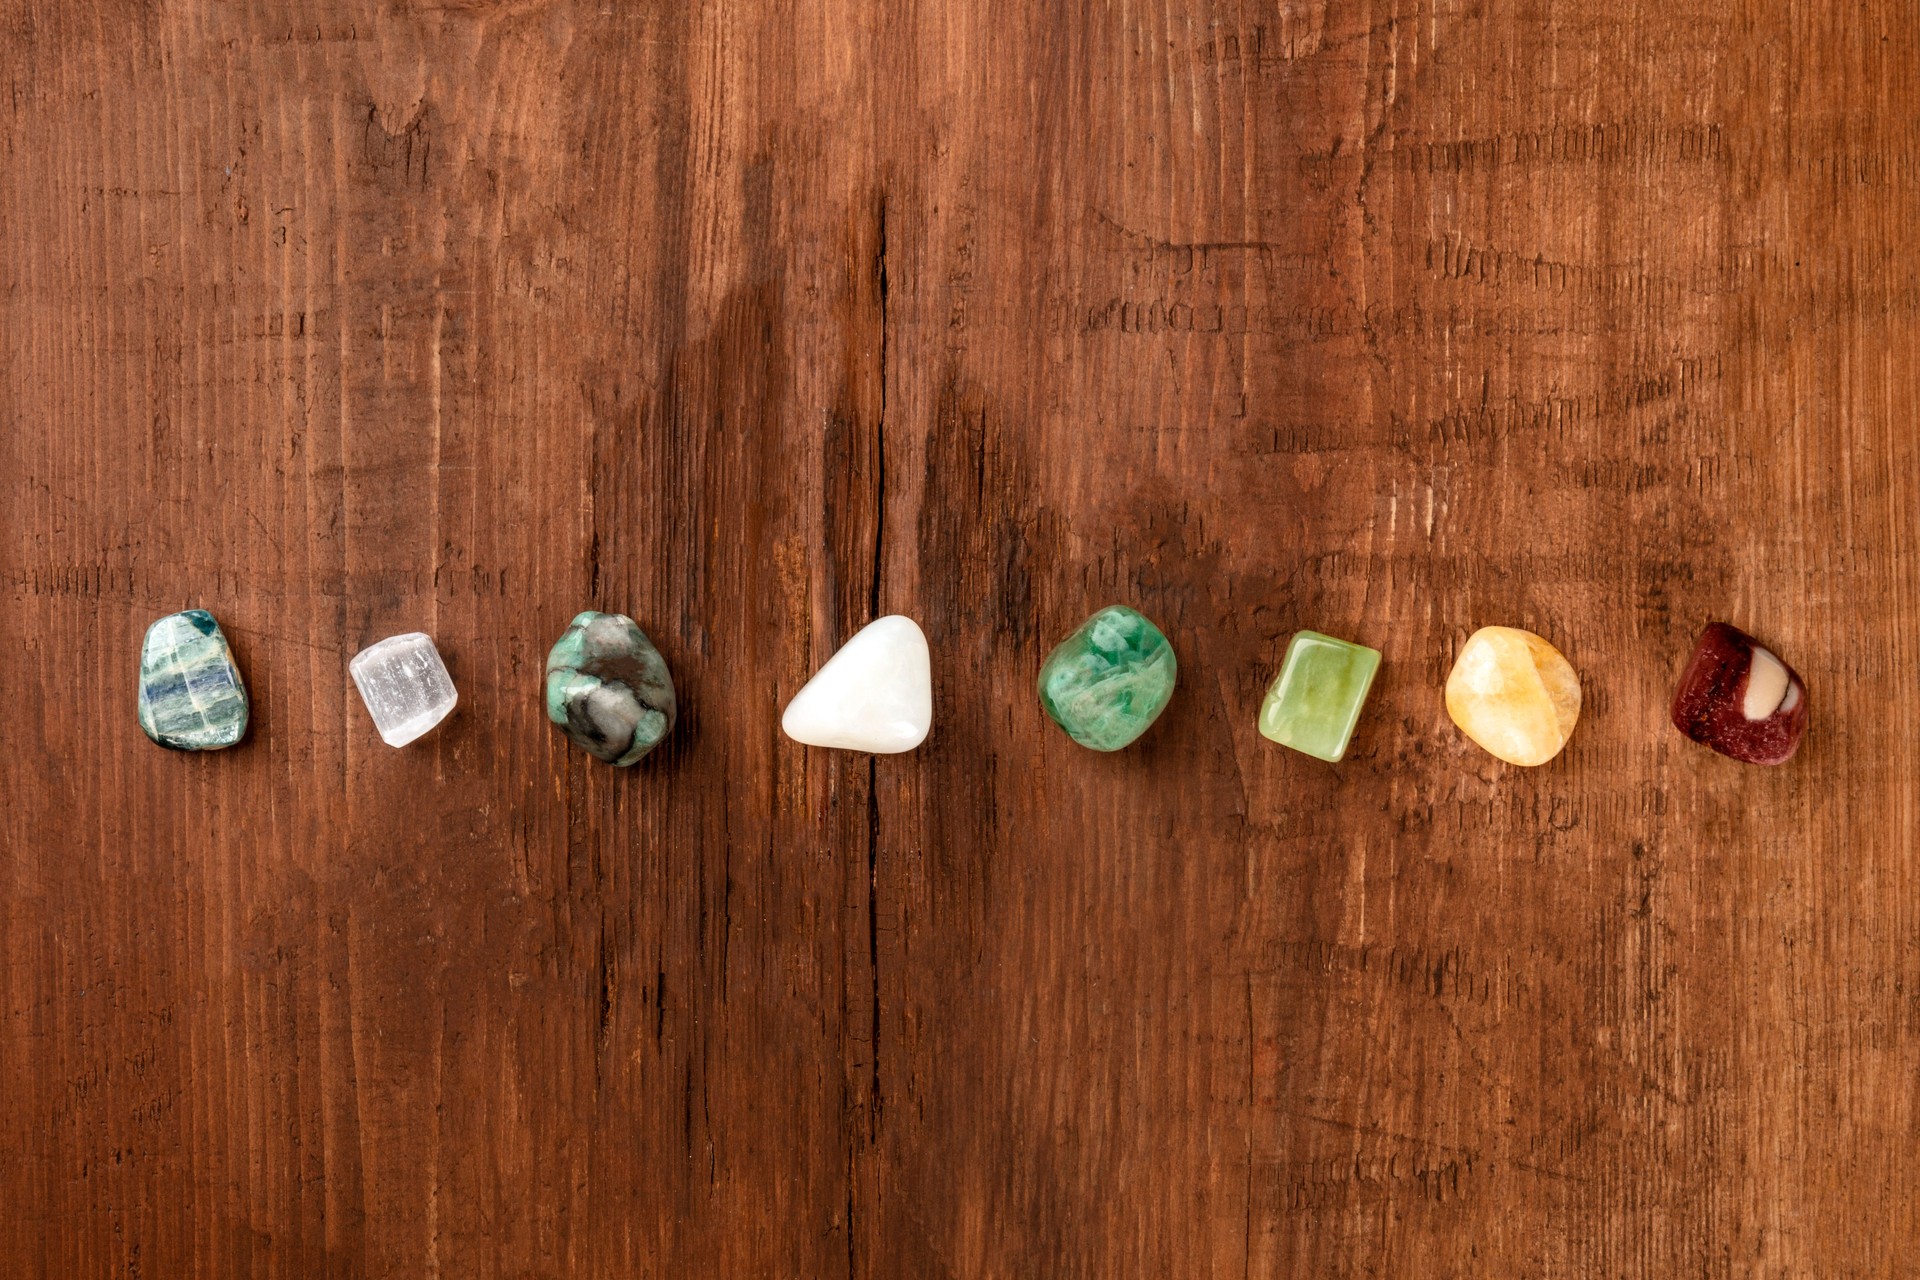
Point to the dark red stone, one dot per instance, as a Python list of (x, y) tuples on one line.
[(1709, 705)]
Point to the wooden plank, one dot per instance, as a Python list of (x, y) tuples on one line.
[(1390, 319)]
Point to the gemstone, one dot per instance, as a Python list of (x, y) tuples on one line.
[(1738, 698), (1316, 699), (608, 687), (191, 695), (1514, 694), (1107, 682), (405, 686), (875, 694)]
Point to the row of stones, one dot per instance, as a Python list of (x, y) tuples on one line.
[(609, 689), (1510, 691), (607, 686)]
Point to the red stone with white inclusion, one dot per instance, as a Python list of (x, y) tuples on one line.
[(1740, 699)]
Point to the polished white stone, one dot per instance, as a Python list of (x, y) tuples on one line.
[(875, 695), (405, 686)]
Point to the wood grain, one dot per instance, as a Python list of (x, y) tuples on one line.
[(1390, 318)]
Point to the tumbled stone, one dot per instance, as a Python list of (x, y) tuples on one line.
[(191, 694), (1740, 699), (1315, 701), (405, 686), (608, 688), (1109, 681), (875, 694), (1514, 694)]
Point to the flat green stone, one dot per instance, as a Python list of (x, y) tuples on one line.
[(191, 695), (1109, 680), (608, 688), (1316, 699)]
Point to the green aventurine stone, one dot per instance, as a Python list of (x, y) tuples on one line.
[(191, 697), (1109, 680), (1316, 699), (608, 687)]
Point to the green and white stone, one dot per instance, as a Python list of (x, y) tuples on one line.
[(608, 688), (191, 695), (1109, 680)]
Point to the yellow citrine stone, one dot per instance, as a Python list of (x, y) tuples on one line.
[(1514, 694)]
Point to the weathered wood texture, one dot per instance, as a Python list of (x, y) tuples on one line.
[(753, 320)]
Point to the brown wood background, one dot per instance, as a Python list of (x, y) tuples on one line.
[(1390, 318)]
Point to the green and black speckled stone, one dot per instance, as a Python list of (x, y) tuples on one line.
[(608, 688)]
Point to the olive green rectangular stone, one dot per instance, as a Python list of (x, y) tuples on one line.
[(1316, 700)]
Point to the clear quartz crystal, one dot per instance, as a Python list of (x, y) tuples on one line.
[(405, 686)]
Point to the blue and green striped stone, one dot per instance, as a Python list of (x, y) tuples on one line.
[(191, 696), (1109, 680)]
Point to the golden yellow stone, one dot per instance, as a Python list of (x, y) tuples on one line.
[(1514, 694)]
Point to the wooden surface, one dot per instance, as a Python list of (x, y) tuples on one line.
[(753, 320)]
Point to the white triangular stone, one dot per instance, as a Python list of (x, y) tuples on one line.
[(876, 694)]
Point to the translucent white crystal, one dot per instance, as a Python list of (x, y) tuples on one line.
[(405, 686)]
